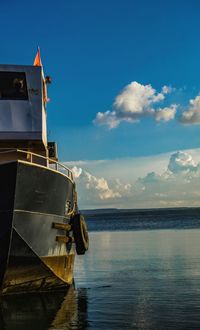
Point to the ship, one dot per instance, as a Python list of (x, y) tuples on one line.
[(41, 228)]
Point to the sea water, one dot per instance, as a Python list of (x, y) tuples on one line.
[(141, 272), (142, 280)]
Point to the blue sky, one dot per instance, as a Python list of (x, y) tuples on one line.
[(93, 50)]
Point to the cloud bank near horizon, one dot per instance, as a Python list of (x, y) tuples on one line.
[(177, 185), (137, 101)]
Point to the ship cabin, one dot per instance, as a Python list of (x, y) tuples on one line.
[(23, 130)]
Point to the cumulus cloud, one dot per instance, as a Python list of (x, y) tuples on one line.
[(120, 185), (177, 184), (136, 98), (181, 161), (151, 177), (108, 118), (166, 114), (76, 171), (192, 114), (100, 186), (135, 102), (97, 188)]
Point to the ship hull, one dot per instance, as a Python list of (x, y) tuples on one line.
[(32, 199)]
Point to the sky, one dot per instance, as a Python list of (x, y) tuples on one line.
[(125, 95)]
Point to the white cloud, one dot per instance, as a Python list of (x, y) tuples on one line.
[(135, 102), (108, 193), (181, 161), (151, 177), (192, 114), (167, 89), (136, 98), (166, 114), (123, 187), (108, 118), (76, 171), (125, 169), (94, 188), (175, 187), (92, 181), (167, 180)]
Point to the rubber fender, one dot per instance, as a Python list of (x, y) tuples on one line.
[(80, 232)]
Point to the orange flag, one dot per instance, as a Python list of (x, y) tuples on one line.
[(37, 61)]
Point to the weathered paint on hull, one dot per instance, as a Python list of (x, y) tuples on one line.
[(24, 276), (30, 273), (62, 266), (31, 257)]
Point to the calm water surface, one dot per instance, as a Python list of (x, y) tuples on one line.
[(142, 280), (136, 279)]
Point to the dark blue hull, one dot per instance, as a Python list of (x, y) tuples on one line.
[(32, 199)]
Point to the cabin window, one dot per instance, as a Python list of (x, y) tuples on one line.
[(13, 86)]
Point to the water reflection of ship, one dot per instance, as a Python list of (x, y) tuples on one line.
[(55, 311)]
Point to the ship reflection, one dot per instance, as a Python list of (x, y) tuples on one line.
[(54, 311)]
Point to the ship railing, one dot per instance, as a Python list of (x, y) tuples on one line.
[(39, 159)]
